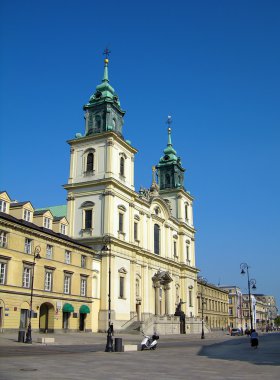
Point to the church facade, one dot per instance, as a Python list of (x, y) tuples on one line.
[(148, 264)]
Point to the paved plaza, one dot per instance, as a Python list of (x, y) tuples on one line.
[(80, 356)]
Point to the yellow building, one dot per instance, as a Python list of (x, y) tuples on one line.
[(214, 302), (38, 259)]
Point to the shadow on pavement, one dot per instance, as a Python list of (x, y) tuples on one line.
[(239, 349)]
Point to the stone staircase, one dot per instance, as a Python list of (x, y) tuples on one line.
[(133, 328)]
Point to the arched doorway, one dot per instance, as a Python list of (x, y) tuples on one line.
[(84, 310), (24, 312), (46, 319)]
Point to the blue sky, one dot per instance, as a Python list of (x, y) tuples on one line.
[(212, 65)]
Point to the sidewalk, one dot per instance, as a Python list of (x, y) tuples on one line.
[(81, 338)]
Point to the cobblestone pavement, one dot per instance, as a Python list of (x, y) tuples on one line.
[(79, 356)]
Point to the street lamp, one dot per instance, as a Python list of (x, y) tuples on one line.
[(36, 255), (107, 248), (251, 284), (203, 282)]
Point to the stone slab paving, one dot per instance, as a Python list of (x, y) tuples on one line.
[(177, 357)]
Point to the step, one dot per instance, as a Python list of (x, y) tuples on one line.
[(45, 340), (130, 347)]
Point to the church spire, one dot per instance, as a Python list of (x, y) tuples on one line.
[(106, 61), (170, 170), (103, 111)]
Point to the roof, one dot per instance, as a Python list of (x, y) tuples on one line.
[(57, 211), (40, 212), (19, 204), (41, 229), (57, 218)]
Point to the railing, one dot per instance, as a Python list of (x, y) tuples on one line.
[(130, 321)]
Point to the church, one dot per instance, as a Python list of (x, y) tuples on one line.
[(145, 239)]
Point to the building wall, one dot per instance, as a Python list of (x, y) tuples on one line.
[(16, 297), (215, 305)]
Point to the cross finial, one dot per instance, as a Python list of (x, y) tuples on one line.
[(106, 52)]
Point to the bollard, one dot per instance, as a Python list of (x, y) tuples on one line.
[(21, 336), (118, 345)]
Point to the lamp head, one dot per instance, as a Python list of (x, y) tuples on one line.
[(242, 271)]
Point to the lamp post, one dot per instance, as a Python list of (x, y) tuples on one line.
[(203, 282), (36, 255), (251, 284), (107, 248)]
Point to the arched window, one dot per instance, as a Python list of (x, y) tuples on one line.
[(98, 123), (137, 287), (167, 180), (90, 162), (122, 166), (156, 238)]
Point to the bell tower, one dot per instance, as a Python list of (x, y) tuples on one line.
[(103, 111), (169, 169)]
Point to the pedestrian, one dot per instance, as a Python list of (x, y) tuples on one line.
[(254, 339)]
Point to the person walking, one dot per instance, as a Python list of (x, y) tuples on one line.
[(254, 339)]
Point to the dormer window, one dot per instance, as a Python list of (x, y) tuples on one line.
[(26, 215), (3, 206), (63, 229), (47, 223)]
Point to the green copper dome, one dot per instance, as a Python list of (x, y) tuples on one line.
[(169, 169), (170, 154), (103, 111), (104, 91)]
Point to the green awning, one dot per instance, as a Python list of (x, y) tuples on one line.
[(84, 309), (68, 308)]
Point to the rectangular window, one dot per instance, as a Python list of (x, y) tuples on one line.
[(67, 257), (186, 212), (67, 283), (88, 219), (83, 261), (28, 246), (175, 249), (190, 299), (3, 206), (47, 223), (48, 280), (49, 252), (26, 215), (83, 287), (63, 229), (188, 254), (120, 222), (3, 239), (3, 269), (121, 287), (26, 282), (135, 231)]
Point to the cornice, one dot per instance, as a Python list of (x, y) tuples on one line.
[(13, 225), (103, 136)]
